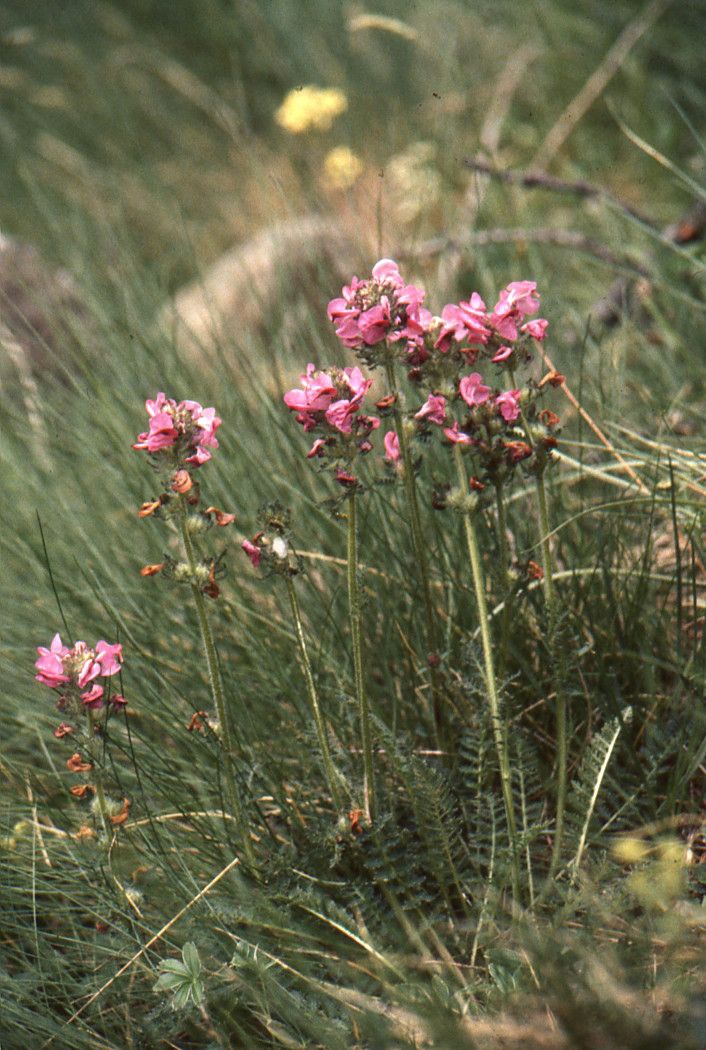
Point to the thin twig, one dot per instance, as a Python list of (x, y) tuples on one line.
[(539, 235), (542, 180), (594, 426)]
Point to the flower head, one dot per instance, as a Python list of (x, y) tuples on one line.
[(381, 307), (392, 446), (342, 168), (473, 391), (74, 671), (433, 409), (310, 107), (187, 429)]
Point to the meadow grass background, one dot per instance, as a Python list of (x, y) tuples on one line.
[(138, 143)]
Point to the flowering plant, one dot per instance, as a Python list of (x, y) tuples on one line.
[(75, 672)]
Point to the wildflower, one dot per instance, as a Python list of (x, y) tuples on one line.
[(392, 446), (536, 328), (253, 551), (381, 307), (342, 168), (81, 790), (121, 816), (152, 570), (473, 391), (503, 354), (74, 673), (465, 322), (76, 764), (220, 516), (181, 482), (310, 107), (456, 436), (509, 405), (514, 303), (331, 402), (433, 409), (186, 428), (149, 508)]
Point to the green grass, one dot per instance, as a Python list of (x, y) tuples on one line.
[(137, 180)]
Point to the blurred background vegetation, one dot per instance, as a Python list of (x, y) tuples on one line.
[(139, 142)]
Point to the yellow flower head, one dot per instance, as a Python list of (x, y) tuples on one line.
[(341, 168), (310, 107)]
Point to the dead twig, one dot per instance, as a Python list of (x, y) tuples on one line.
[(542, 180)]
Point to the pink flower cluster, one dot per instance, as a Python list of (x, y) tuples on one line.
[(331, 402), (470, 322), (185, 427), (74, 672), (381, 307)]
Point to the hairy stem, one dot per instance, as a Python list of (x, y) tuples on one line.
[(98, 776), (216, 685), (356, 640), (499, 728), (420, 550), (504, 559), (332, 776)]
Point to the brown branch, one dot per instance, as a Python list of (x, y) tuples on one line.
[(544, 181), (541, 235)]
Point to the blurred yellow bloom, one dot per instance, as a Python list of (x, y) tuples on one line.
[(310, 107), (341, 168)]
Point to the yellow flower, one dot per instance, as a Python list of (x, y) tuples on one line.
[(341, 168), (310, 107)]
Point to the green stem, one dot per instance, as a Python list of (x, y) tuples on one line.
[(216, 684), (499, 729), (561, 733), (420, 550), (98, 775), (552, 620), (504, 559), (356, 640), (329, 768)]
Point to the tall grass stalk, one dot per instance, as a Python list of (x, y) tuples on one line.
[(332, 777), (216, 684), (556, 662), (355, 614), (420, 550), (497, 722)]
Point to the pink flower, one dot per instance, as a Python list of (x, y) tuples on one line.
[(502, 354), (466, 321), (388, 270), (340, 415), (50, 664), (456, 436), (472, 390), (367, 312), (392, 446), (93, 697), (317, 449), (110, 658), (433, 409), (536, 328), (188, 426), (74, 671), (253, 552), (515, 302), (522, 296), (357, 382), (509, 405)]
